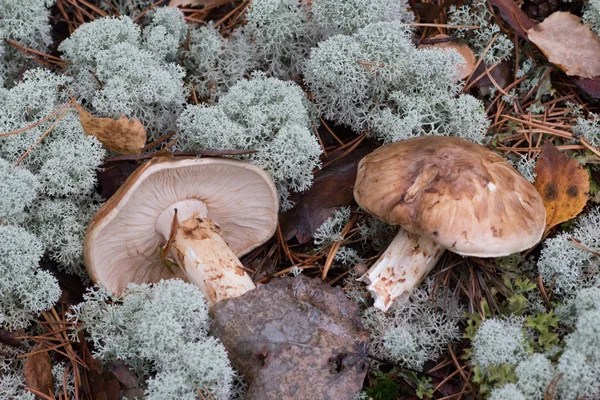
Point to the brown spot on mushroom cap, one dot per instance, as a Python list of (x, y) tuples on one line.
[(477, 204), (121, 243)]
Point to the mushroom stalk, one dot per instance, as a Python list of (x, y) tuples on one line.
[(401, 267), (196, 245)]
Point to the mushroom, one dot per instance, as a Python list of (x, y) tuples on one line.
[(445, 193), (188, 218)]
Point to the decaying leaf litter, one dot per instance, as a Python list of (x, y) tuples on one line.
[(537, 113)]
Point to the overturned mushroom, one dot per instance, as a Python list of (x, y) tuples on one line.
[(190, 218), (445, 193)]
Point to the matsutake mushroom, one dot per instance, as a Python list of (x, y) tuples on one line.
[(444, 193), (188, 218)]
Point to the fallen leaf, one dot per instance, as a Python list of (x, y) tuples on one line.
[(196, 3), (38, 371), (501, 74), (464, 70), (520, 22), (568, 43), (562, 183), (331, 189), (98, 385), (122, 136), (124, 374), (294, 338), (512, 13)]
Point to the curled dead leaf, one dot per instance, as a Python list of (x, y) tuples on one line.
[(38, 371), (562, 183), (569, 44), (122, 136), (464, 70)]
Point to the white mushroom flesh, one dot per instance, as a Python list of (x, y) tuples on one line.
[(207, 261), (406, 261)]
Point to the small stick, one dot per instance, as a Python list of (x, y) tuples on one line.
[(336, 246), (446, 26), (42, 137), (164, 153), (35, 124)]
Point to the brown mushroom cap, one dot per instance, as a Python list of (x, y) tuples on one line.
[(122, 243), (462, 195)]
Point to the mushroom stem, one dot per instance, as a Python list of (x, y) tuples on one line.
[(207, 260), (401, 267)]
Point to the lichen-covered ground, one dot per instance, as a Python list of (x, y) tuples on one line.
[(304, 90)]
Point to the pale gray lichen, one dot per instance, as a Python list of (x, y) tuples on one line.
[(63, 383), (567, 267), (25, 289), (25, 22), (214, 63), (477, 14), (416, 329), (534, 375), (591, 15), (265, 114), (282, 34), (580, 362), (117, 75), (61, 225), (526, 166), (12, 386), (161, 331), (499, 341), (377, 80), (330, 231), (589, 129), (348, 16), (510, 391), (64, 164), (18, 189), (165, 34)]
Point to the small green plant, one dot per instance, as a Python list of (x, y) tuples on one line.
[(545, 325), (384, 387), (424, 388)]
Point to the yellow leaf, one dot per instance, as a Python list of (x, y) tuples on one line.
[(562, 183), (121, 135), (569, 44)]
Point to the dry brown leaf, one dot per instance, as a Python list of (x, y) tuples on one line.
[(331, 189), (294, 338), (122, 136), (38, 371), (196, 3), (569, 44), (562, 183)]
